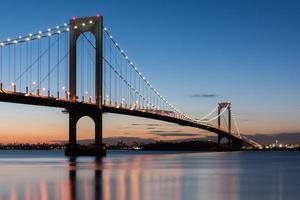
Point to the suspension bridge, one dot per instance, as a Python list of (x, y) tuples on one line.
[(79, 66)]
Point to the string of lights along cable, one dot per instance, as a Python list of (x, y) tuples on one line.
[(37, 64)]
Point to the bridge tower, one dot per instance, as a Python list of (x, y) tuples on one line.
[(78, 26), (221, 106)]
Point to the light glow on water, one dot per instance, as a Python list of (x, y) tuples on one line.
[(124, 175)]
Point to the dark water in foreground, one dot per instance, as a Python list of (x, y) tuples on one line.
[(145, 175)]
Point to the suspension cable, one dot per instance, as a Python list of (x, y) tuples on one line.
[(216, 116)]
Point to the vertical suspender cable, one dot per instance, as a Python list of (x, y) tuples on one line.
[(9, 65), (1, 57), (20, 69), (110, 98), (26, 65), (49, 63), (115, 81), (58, 67), (121, 82), (38, 67), (30, 61), (104, 68), (82, 69), (14, 79), (66, 67)]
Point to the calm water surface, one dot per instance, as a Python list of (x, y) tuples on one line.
[(122, 175)]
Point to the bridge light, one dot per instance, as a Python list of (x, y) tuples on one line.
[(90, 21), (39, 36), (8, 39), (75, 27), (83, 24), (49, 29), (67, 29), (40, 32), (65, 24), (122, 51), (57, 27), (27, 39), (74, 18), (15, 41), (49, 34), (111, 37), (20, 37), (30, 34), (98, 15), (126, 57), (58, 32), (105, 29), (2, 44)]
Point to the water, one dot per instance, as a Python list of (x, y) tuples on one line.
[(122, 175)]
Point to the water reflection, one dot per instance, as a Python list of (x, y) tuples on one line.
[(122, 176), (83, 188)]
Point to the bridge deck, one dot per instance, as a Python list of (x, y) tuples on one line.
[(62, 103)]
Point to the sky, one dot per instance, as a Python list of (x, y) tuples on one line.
[(196, 53)]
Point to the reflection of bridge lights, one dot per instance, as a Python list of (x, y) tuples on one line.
[(33, 83), (63, 88), (12, 84), (86, 92), (44, 89)]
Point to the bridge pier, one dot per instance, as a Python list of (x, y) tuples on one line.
[(233, 143), (96, 149)]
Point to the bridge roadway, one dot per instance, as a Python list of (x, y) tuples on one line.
[(21, 98)]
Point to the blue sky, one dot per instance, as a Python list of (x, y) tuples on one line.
[(243, 51)]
